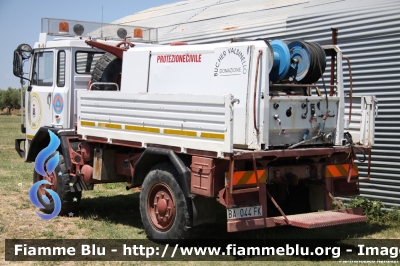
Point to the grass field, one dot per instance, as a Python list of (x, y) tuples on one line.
[(111, 212)]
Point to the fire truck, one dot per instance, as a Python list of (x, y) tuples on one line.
[(258, 126)]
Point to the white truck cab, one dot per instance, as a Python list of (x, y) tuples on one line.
[(61, 66)]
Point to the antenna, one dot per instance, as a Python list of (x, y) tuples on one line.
[(101, 32)]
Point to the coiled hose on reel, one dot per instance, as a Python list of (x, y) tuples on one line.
[(305, 63)]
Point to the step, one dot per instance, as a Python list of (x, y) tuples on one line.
[(320, 219), (245, 190)]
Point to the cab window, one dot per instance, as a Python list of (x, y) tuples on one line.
[(85, 61), (61, 69), (43, 68)]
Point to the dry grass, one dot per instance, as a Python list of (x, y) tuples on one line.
[(111, 212)]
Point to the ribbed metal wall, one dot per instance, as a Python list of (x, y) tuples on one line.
[(369, 34)]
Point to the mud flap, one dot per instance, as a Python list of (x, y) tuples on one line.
[(20, 151), (204, 210)]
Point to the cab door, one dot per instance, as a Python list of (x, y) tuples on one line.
[(39, 97), (60, 112)]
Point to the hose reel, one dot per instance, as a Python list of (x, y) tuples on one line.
[(281, 60), (298, 62)]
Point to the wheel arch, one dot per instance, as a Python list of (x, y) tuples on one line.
[(152, 156), (42, 139)]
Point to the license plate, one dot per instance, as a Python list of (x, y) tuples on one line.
[(244, 212)]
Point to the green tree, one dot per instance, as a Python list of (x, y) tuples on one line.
[(10, 99), (2, 106)]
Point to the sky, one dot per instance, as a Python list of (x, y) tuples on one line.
[(20, 22)]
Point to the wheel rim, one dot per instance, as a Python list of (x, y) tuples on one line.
[(53, 180), (161, 207)]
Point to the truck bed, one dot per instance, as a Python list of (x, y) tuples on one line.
[(200, 122)]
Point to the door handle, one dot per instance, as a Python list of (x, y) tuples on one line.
[(49, 98)]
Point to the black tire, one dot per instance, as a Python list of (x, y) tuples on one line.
[(69, 200), (107, 69), (162, 179)]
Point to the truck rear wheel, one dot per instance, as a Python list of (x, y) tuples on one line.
[(107, 69), (60, 184), (163, 206)]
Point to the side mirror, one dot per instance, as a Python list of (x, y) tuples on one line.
[(21, 54), (17, 64)]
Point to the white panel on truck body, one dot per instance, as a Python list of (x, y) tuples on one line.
[(363, 114), (135, 74), (200, 122), (211, 69), (231, 73), (180, 71), (301, 118)]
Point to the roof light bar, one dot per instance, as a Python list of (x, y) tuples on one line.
[(61, 27)]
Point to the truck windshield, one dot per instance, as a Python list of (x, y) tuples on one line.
[(42, 74), (85, 61)]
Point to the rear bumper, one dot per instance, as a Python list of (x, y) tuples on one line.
[(20, 151)]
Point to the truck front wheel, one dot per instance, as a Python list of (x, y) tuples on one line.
[(59, 180), (163, 206)]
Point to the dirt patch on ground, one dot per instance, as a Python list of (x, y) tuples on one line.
[(4, 172), (18, 220)]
